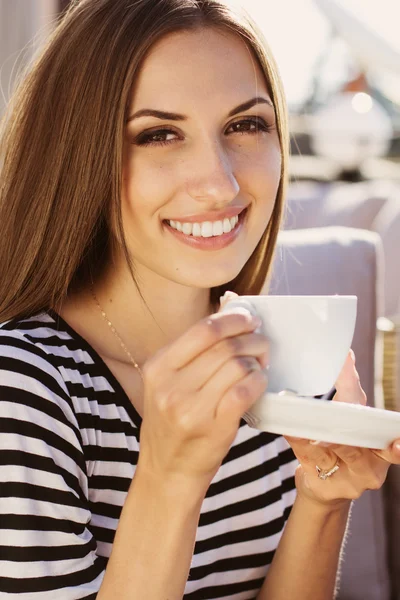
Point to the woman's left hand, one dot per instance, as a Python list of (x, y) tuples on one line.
[(359, 469)]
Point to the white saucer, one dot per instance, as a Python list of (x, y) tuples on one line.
[(327, 421)]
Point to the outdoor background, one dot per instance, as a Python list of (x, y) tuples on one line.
[(340, 64)]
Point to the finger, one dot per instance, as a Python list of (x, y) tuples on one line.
[(358, 466), (241, 396), (240, 372), (231, 352), (206, 334), (310, 455), (358, 460), (365, 470), (223, 365), (391, 454), (232, 372), (348, 386)]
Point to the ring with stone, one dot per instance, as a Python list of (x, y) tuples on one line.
[(324, 474)]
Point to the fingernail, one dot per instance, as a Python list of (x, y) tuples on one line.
[(224, 299), (397, 446), (227, 294), (353, 356)]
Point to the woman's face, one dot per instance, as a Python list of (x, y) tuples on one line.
[(202, 160)]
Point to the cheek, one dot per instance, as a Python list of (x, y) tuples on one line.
[(260, 174), (146, 187)]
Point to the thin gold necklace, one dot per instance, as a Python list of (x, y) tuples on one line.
[(115, 332)]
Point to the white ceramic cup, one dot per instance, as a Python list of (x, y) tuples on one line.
[(309, 336)]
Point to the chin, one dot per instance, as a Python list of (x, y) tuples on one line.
[(210, 278)]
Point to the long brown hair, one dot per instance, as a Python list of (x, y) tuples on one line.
[(61, 149)]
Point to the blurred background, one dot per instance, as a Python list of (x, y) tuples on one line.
[(340, 64)]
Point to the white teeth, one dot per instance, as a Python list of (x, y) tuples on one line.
[(227, 226), (196, 230), (187, 228), (218, 228), (207, 228)]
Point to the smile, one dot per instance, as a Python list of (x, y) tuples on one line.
[(208, 235), (206, 229)]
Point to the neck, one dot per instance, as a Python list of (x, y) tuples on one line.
[(151, 313)]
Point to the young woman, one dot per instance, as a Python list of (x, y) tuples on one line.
[(144, 170)]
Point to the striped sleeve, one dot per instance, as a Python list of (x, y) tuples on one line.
[(46, 548)]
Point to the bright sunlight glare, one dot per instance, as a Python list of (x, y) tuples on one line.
[(297, 32)]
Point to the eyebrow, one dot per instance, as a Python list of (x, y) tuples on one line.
[(168, 116)]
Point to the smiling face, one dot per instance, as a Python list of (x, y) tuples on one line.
[(202, 160)]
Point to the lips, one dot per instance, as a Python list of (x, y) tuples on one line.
[(215, 215), (208, 224), (208, 235)]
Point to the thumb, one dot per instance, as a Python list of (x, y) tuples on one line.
[(348, 386), (391, 454)]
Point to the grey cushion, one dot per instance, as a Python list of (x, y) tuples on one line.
[(312, 204), (305, 205)]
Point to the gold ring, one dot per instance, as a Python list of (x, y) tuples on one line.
[(322, 474)]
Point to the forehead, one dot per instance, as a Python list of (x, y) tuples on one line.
[(197, 65)]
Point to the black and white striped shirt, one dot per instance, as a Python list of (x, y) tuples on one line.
[(69, 444)]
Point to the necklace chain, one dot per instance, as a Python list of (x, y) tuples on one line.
[(115, 332)]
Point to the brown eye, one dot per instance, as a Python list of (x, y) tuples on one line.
[(159, 137), (250, 126)]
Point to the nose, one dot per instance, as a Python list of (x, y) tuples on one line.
[(211, 178)]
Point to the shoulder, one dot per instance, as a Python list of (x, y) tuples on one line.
[(25, 351), (32, 387)]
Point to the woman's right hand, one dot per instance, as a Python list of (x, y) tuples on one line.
[(196, 391)]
